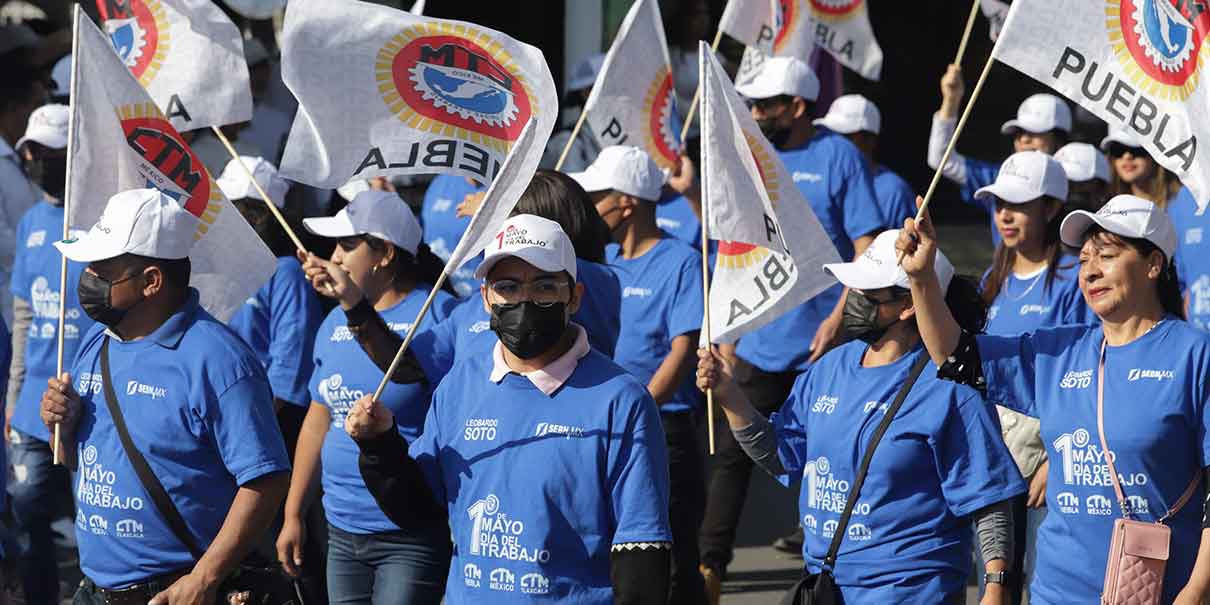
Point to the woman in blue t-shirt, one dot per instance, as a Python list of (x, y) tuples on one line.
[(939, 467), (1031, 284), (1153, 369), (381, 274)]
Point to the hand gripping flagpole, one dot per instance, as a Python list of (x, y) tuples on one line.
[(718, 37), (56, 458), (966, 35)]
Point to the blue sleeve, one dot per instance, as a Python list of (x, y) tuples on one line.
[(899, 203), (293, 321), (686, 312), (972, 461), (243, 427), (443, 305), (1008, 367), (638, 473), (862, 213), (436, 346), (979, 174), (790, 422), (19, 283)]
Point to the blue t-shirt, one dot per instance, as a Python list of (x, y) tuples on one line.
[(661, 300), (36, 280), (467, 330), (676, 217), (1156, 390), (540, 487), (1192, 256), (279, 324), (443, 229), (198, 407), (1028, 303), (832, 175), (909, 539), (980, 174), (895, 195), (343, 374)]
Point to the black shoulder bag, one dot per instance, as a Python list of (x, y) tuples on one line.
[(820, 588), (255, 582)]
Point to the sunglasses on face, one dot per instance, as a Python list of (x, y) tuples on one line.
[(768, 105), (1117, 150)]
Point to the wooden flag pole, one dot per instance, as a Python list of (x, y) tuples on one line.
[(281, 220), (966, 35), (718, 37), (56, 457), (407, 340), (706, 323), (575, 132)]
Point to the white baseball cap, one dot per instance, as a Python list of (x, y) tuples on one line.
[(1124, 215), (255, 9), (1121, 136), (379, 213), (1083, 162), (781, 76), (878, 267), (145, 222), (61, 75), (1039, 114), (538, 241), (236, 185), (584, 74), (626, 169), (1026, 176), (852, 113), (349, 190), (47, 126)]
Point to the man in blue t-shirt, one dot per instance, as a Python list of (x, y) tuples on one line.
[(41, 491), (661, 314), (834, 179), (548, 456), (163, 376), (443, 225)]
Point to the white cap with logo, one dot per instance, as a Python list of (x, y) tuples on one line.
[(781, 76), (852, 113), (538, 241), (1083, 162), (1124, 215), (626, 169), (47, 126), (1026, 176), (1120, 136), (878, 267), (236, 185), (145, 222), (1040, 113), (379, 213)]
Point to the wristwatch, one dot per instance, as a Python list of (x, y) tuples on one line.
[(995, 577)]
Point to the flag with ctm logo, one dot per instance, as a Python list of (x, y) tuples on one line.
[(750, 201), (633, 101), (120, 140), (793, 27), (187, 54), (1134, 63), (384, 92)]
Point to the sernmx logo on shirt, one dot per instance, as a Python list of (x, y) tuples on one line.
[(1037, 309), (1140, 374), (810, 177), (479, 327), (636, 291), (549, 428), (135, 387)]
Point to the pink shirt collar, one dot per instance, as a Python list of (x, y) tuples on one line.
[(550, 378)]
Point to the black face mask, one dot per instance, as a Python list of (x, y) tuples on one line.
[(528, 330), (777, 136), (859, 319), (94, 293), (53, 176)]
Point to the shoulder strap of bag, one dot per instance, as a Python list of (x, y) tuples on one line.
[(147, 477), (1113, 471), (855, 491)]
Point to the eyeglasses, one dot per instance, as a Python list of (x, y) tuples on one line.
[(895, 294), (544, 291), (1117, 150)]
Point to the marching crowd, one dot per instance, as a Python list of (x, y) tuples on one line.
[(539, 439)]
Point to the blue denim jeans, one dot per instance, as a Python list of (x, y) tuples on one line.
[(391, 568), (39, 492)]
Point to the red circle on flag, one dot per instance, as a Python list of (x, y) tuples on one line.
[(133, 30), (163, 150), (1161, 44), (660, 121)]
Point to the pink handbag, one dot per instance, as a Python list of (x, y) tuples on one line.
[(1138, 550)]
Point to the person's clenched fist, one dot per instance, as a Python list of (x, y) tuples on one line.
[(60, 404), (368, 419)]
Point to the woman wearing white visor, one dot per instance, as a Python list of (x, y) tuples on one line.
[(1136, 384), (939, 467)]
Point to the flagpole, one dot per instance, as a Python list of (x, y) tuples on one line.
[(218, 132), (56, 458), (407, 340), (718, 37), (575, 132), (966, 35)]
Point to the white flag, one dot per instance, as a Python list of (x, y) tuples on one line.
[(121, 140), (633, 101), (501, 197), (383, 92), (418, 7), (750, 201), (187, 54), (1136, 65), (749, 21), (995, 11), (841, 27)]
